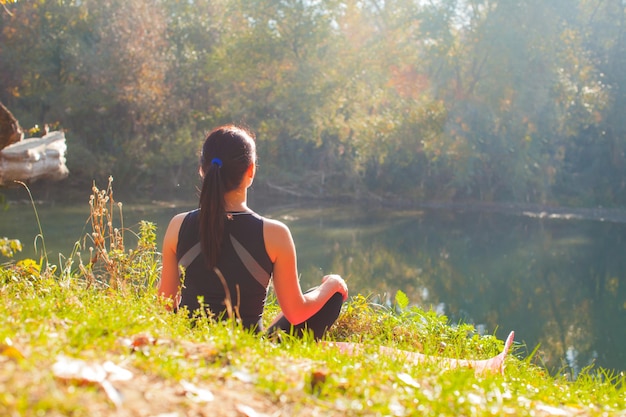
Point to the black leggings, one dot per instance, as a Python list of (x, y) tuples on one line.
[(317, 323)]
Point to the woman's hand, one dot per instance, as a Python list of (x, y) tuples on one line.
[(336, 283)]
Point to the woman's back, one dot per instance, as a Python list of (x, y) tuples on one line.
[(244, 264)]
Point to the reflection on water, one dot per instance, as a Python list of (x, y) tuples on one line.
[(558, 282)]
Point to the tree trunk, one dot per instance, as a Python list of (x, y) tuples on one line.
[(10, 130)]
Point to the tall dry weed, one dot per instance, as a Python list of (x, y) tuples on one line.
[(110, 263)]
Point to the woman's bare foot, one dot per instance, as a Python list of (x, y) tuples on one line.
[(495, 364)]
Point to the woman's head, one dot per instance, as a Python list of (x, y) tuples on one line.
[(230, 150), (227, 154)]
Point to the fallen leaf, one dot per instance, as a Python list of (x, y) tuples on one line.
[(102, 375), (111, 392), (408, 379), (141, 340), (116, 373), (244, 376), (76, 369), (7, 349), (318, 378), (139, 343), (196, 394), (249, 411)]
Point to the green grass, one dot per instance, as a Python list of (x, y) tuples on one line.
[(42, 320), (105, 310)]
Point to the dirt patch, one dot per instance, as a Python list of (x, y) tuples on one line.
[(149, 396)]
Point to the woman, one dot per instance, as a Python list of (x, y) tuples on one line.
[(219, 258)]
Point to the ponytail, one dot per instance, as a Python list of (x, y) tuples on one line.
[(227, 153), (212, 213)]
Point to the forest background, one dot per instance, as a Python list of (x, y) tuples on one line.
[(443, 100)]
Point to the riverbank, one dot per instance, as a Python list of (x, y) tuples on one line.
[(537, 211), (85, 350), (57, 193)]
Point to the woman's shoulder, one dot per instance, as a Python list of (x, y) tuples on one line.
[(276, 232), (182, 216), (277, 238), (178, 219), (273, 224)]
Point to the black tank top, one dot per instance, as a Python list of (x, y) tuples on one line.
[(243, 262)]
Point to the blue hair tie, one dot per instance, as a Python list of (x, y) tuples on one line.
[(216, 161)]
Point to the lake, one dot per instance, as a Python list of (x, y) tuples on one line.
[(559, 282)]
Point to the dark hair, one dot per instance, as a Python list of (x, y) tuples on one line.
[(227, 153)]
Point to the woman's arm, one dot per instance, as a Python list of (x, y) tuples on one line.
[(169, 286), (296, 307)]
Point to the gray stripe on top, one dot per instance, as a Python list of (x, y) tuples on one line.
[(253, 267), (189, 256)]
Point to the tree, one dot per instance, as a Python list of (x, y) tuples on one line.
[(595, 155)]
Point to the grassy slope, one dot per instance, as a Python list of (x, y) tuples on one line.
[(176, 367)]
